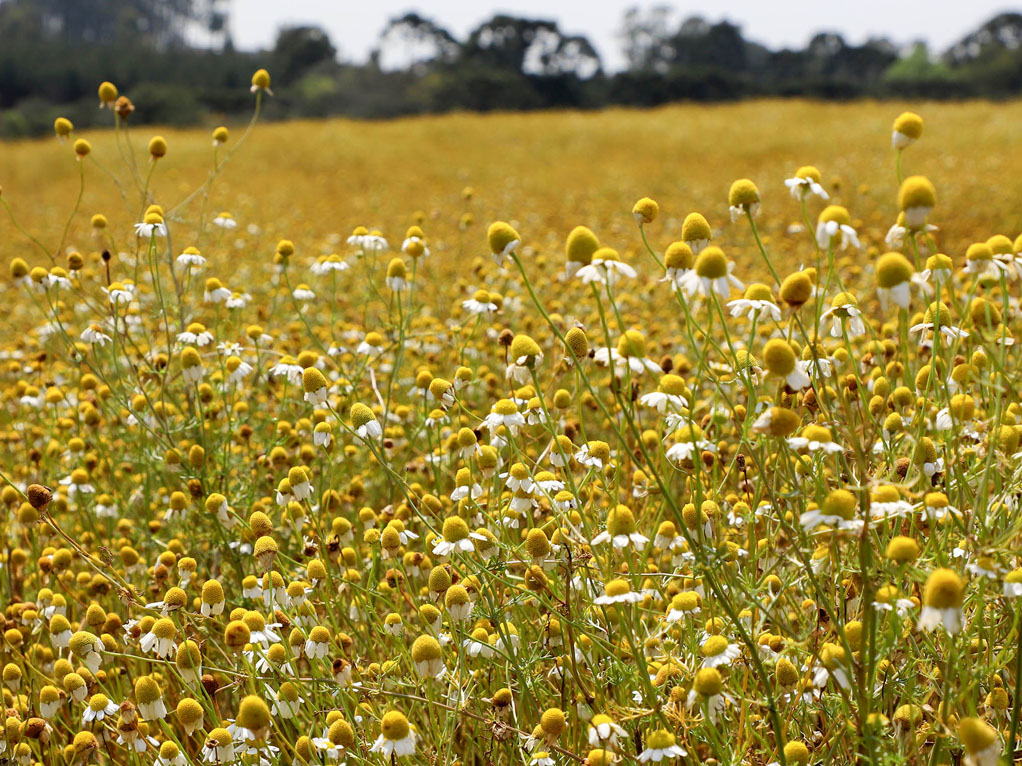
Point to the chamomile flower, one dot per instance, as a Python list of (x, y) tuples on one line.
[(618, 591), (916, 198), (779, 360), (525, 356), (938, 316), (479, 303), (757, 301), (215, 292), (708, 693), (160, 639), (908, 128), (806, 181), (1012, 584), (503, 241), (152, 227), (364, 422), (838, 511), (689, 440), (815, 438), (711, 275), (397, 738), (191, 258), (504, 414), (628, 357), (99, 707), (94, 334), (579, 248), (743, 199), (605, 268), (982, 742), (620, 530), (219, 747), (943, 596), (834, 229), (603, 731), (845, 316), (669, 396), (716, 651), (894, 280)]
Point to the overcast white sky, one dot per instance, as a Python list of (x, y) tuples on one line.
[(354, 25)]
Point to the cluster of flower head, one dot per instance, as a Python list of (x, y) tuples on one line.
[(601, 506)]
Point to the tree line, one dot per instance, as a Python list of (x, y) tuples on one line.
[(176, 61)]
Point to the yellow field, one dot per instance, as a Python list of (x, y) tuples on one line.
[(305, 180), (467, 440)]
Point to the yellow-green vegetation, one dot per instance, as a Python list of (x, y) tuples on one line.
[(533, 439)]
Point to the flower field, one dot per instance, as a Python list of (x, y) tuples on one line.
[(688, 435)]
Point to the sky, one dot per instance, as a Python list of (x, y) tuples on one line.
[(353, 25)]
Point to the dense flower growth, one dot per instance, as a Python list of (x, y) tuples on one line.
[(700, 499)]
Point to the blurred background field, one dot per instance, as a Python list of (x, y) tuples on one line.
[(314, 181)]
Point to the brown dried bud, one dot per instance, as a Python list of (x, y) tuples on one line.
[(39, 496), (209, 685), (123, 107), (36, 728), (505, 338)]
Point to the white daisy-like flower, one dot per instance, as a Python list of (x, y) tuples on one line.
[(239, 373), (800, 187), (685, 450), (218, 294), (889, 509), (288, 368), (225, 221), (604, 271), (120, 294), (56, 280), (329, 265), (96, 710), (810, 520), (716, 651), (622, 363), (217, 751), (395, 747), (143, 230), (693, 284), (950, 619), (842, 315), (191, 259), (520, 370), (238, 300), (477, 306), (737, 211), (93, 334), (618, 592), (659, 745), (504, 413), (157, 642), (1012, 586), (826, 231), (815, 439), (984, 566), (900, 295), (663, 402), (195, 337), (603, 732), (751, 308)]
